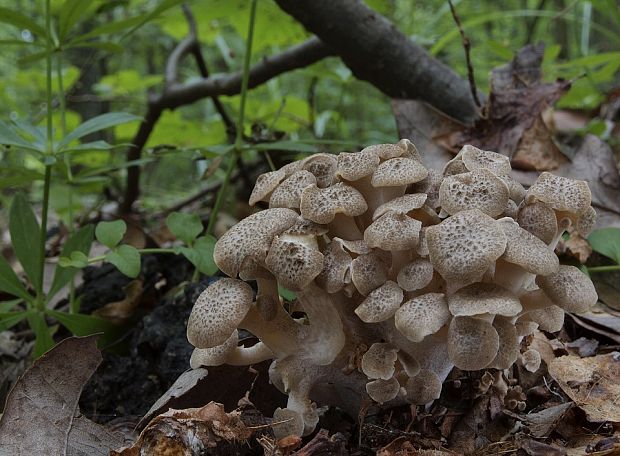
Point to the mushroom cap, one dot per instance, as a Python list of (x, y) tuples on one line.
[(288, 193), (303, 227), (430, 187), (385, 151), (526, 250), (474, 158), (561, 193), (423, 388), (393, 231), (251, 238), (465, 245), (218, 311), (369, 272), (401, 205), (294, 261), (381, 303), (477, 189), (323, 166), (538, 219), (398, 171), (336, 262), (569, 288), (354, 166), (517, 191), (415, 275), (508, 351), (215, 356), (586, 222), (322, 204), (379, 360), (422, 316), (454, 167), (550, 319), (383, 390), (287, 422), (531, 360), (480, 298), (409, 150), (265, 184), (472, 343)]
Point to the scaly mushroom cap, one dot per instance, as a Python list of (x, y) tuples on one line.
[(526, 250), (294, 260), (472, 343), (569, 288), (386, 151), (288, 193), (401, 205), (379, 360), (251, 238), (323, 166), (586, 223), (336, 262), (561, 193), (478, 189), (550, 319), (215, 356), (265, 184), (381, 303), (538, 219), (430, 187), (481, 298), (531, 360), (474, 158), (421, 316), (393, 231), (322, 204), (369, 272), (354, 166), (465, 245), (423, 388), (217, 312), (382, 391), (415, 275), (398, 171), (454, 167), (517, 191), (508, 344)]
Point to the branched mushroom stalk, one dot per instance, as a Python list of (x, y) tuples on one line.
[(401, 274)]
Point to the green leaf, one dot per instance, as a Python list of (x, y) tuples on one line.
[(110, 233), (25, 234), (286, 294), (9, 137), (185, 227), (106, 46), (21, 21), (163, 6), (201, 254), (127, 259), (10, 283), (10, 319), (5, 306), (30, 58), (78, 244), (292, 146), (44, 340), (106, 29), (71, 12), (94, 145), (98, 123), (84, 325), (606, 241)]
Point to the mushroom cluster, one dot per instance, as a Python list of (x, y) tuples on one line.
[(400, 272)]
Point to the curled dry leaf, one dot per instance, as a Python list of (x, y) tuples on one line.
[(119, 312), (592, 383), (41, 414), (207, 429)]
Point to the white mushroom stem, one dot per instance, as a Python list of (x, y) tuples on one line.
[(345, 228), (324, 336), (281, 334), (267, 298), (244, 356)]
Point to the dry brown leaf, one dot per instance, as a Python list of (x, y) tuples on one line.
[(191, 431), (592, 383), (535, 448), (119, 312), (600, 319), (583, 347), (576, 246), (41, 416), (542, 423)]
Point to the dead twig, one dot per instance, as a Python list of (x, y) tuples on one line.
[(467, 48)]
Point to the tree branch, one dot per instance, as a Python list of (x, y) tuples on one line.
[(377, 52)]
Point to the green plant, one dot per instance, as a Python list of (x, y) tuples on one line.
[(606, 241)]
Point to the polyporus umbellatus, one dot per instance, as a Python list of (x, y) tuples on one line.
[(401, 273)]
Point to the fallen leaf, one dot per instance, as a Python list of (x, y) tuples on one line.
[(576, 246), (542, 423), (119, 312), (191, 431), (41, 414), (600, 319), (583, 347), (534, 448), (592, 383)]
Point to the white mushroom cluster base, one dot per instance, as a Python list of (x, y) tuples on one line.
[(401, 273)]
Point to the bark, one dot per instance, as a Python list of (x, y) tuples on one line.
[(377, 52)]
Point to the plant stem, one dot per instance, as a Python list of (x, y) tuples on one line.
[(615, 267), (97, 259), (239, 132)]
